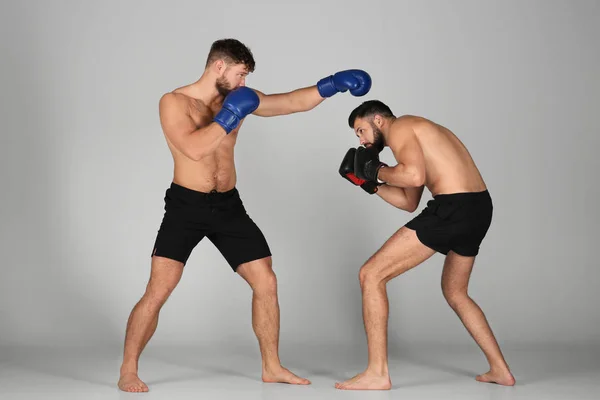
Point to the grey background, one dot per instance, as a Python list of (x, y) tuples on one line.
[(84, 166)]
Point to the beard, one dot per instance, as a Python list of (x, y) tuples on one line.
[(223, 86), (378, 139)]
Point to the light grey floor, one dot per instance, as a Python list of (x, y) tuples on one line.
[(419, 372)]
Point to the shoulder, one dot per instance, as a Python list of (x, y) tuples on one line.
[(173, 98), (175, 103), (407, 127), (408, 122), (401, 130), (403, 139), (175, 110)]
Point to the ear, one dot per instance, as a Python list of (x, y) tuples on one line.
[(219, 66), (377, 120)]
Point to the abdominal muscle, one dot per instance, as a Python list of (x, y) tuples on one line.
[(213, 172)]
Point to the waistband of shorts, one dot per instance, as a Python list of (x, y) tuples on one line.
[(462, 196), (201, 197)]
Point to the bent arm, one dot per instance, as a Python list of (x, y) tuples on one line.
[(299, 100), (195, 143), (406, 199), (410, 170), (402, 176)]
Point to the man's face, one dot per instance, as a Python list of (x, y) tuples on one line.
[(368, 133), (232, 77)]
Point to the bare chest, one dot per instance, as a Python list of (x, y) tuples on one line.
[(203, 115)]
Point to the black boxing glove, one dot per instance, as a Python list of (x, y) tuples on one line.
[(367, 164), (347, 171)]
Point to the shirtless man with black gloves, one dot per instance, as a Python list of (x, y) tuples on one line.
[(453, 223)]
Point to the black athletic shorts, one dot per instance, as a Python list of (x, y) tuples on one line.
[(456, 222), (220, 216)]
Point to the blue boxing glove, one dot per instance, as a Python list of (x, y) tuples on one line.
[(355, 80), (237, 104)]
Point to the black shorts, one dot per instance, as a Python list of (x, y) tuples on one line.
[(220, 216), (456, 222)]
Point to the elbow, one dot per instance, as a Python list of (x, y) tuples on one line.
[(409, 207), (308, 106), (296, 108), (197, 155), (418, 181), (301, 105), (198, 152), (418, 178)]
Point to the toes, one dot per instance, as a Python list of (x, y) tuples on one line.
[(341, 385), (135, 388)]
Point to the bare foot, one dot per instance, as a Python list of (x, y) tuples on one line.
[(283, 375), (503, 377), (366, 381), (129, 382)]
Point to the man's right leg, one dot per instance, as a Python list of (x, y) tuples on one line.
[(164, 277), (402, 252)]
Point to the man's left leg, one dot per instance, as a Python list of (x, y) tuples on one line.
[(399, 254), (265, 319), (455, 282), (247, 252)]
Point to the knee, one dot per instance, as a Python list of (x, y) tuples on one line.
[(156, 296), (369, 275), (265, 284), (455, 297)]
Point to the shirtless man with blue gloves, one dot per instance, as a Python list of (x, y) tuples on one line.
[(454, 223), (201, 122)]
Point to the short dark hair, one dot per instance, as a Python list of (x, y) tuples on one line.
[(369, 108), (232, 51)]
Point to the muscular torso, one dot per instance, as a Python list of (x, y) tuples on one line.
[(213, 172), (448, 164)]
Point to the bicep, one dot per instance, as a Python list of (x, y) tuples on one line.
[(410, 157), (176, 124), (410, 154), (414, 195)]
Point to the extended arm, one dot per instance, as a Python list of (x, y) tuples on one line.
[(299, 100), (358, 82)]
